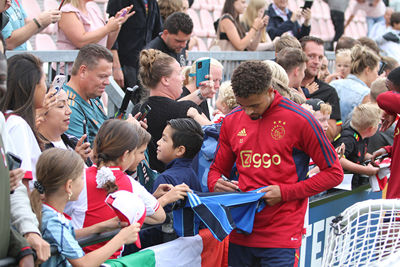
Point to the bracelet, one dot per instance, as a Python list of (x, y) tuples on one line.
[(37, 23), (115, 68), (200, 96), (254, 28)]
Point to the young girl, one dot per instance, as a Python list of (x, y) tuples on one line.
[(59, 180), (342, 65), (114, 151)]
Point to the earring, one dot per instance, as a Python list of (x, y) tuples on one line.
[(69, 196)]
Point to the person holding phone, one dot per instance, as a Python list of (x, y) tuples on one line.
[(282, 20), (20, 29), (200, 94), (82, 23), (161, 75)]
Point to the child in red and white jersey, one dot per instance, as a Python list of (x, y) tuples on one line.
[(115, 150)]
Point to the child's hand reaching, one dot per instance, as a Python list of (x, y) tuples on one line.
[(130, 234), (371, 170)]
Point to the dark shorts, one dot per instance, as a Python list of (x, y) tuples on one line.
[(254, 257)]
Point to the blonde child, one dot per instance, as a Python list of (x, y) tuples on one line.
[(342, 65), (59, 180), (364, 124), (225, 103)]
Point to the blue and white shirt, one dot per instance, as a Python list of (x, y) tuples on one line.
[(58, 232)]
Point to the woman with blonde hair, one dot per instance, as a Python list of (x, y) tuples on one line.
[(355, 89), (160, 74), (255, 9)]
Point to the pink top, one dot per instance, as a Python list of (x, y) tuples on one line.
[(91, 21)]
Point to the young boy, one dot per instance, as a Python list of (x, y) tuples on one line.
[(364, 124), (180, 142)]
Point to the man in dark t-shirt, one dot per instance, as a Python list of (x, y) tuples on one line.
[(173, 40), (313, 47)]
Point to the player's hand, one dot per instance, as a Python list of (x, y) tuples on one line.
[(378, 153), (225, 186), (387, 121), (41, 247), (272, 194)]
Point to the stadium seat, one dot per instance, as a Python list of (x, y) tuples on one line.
[(207, 22), (326, 12), (201, 45), (207, 5), (217, 14), (31, 8), (292, 5), (197, 28), (44, 42)]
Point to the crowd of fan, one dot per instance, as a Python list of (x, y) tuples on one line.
[(147, 45)]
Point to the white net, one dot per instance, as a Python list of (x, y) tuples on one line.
[(365, 234)]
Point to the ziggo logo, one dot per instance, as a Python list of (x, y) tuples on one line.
[(257, 160)]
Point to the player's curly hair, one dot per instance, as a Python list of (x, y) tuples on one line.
[(251, 77)]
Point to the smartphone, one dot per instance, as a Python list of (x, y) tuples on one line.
[(307, 4), (202, 70), (58, 83), (146, 111), (382, 68), (13, 161)]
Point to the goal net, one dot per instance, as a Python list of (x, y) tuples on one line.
[(365, 234)]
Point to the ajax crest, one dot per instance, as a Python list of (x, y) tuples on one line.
[(278, 130)]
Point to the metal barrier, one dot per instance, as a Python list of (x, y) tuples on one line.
[(229, 59)]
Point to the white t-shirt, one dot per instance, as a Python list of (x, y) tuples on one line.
[(20, 140)]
